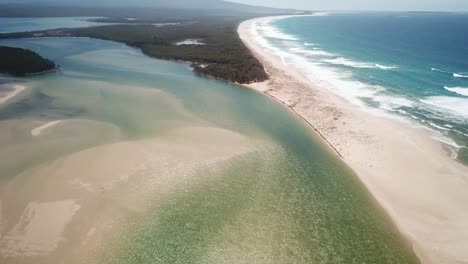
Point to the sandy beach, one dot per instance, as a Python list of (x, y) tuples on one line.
[(8, 91), (411, 175)]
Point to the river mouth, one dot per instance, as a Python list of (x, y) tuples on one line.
[(139, 160)]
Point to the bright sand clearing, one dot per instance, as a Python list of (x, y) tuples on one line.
[(8, 91), (411, 175)]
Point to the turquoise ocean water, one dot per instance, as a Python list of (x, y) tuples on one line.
[(411, 66)]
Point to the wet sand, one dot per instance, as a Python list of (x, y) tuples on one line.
[(411, 175)]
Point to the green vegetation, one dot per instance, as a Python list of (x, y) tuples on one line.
[(223, 56), (215, 22), (21, 62)]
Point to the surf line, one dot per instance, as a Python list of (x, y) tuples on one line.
[(307, 121)]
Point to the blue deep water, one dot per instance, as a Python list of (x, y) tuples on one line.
[(412, 66)]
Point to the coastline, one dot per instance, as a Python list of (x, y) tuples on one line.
[(78, 183), (411, 175)]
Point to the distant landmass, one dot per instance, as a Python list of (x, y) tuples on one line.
[(214, 22), (221, 55), (179, 4), (22, 62), (10, 8)]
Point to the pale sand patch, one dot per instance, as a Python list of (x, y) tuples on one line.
[(190, 42), (38, 130), (421, 187), (111, 183), (39, 229), (8, 91)]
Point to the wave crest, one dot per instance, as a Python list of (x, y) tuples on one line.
[(459, 90), (460, 75), (356, 64), (314, 52), (455, 105)]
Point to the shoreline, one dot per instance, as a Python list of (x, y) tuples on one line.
[(410, 174)]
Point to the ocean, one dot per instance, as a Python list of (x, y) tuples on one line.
[(409, 66)]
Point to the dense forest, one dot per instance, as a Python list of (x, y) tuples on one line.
[(222, 55), (21, 62)]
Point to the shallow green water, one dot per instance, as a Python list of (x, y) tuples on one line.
[(293, 203)]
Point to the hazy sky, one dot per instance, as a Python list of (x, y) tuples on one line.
[(411, 5)]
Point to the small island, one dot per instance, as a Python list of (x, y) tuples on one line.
[(21, 62)]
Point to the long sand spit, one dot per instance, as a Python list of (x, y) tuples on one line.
[(412, 176)]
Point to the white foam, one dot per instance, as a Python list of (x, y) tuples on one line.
[(308, 44), (356, 64), (460, 75), (320, 14), (267, 30), (383, 67), (454, 105), (392, 103), (438, 70), (341, 82), (461, 133), (439, 127), (338, 81), (442, 138), (458, 90), (165, 24), (313, 52), (436, 135)]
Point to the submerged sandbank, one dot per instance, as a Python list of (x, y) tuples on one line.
[(122, 179), (421, 187), (8, 91), (38, 130)]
